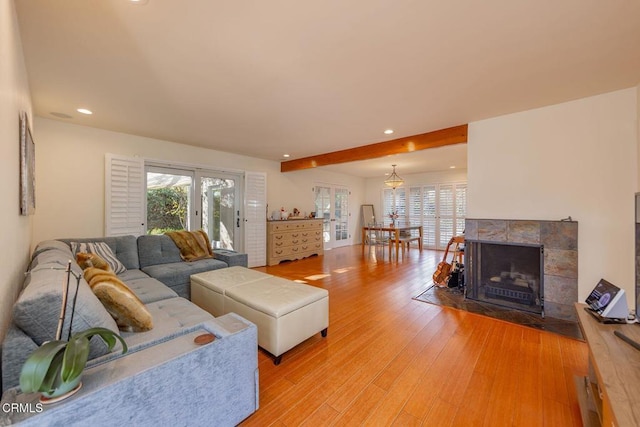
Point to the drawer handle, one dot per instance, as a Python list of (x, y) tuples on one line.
[(278, 252), (305, 240), (295, 242), (279, 237), (305, 234), (295, 249), (294, 234), (304, 248), (279, 243)]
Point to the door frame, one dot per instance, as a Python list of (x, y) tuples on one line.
[(332, 243), (238, 211)]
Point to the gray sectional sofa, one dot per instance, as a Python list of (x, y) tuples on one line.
[(165, 377)]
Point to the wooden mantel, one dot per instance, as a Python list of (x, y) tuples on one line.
[(438, 138)]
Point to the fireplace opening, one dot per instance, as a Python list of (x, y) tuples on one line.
[(506, 274)]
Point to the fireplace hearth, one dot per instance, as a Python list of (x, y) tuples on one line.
[(527, 265)]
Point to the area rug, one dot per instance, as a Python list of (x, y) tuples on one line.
[(454, 297)]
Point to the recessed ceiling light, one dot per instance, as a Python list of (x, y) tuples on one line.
[(61, 115), (452, 167), (388, 131), (138, 1), (286, 156), (84, 111)]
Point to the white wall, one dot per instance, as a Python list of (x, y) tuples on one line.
[(70, 160), (575, 159), (14, 98)]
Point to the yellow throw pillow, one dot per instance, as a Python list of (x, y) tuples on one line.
[(124, 306), (86, 260), (193, 245), (122, 303)]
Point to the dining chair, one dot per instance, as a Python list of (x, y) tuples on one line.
[(379, 238)]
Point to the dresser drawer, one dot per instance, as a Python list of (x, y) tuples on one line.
[(293, 225), (293, 239)]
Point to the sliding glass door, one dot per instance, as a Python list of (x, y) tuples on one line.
[(189, 199), (220, 213)]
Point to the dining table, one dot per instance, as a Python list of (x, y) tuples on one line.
[(394, 234)]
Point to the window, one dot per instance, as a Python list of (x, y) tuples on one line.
[(395, 202), (169, 198), (439, 208)]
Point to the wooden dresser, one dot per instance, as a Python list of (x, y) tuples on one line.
[(610, 395), (293, 239)]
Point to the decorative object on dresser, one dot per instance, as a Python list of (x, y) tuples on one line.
[(291, 240)]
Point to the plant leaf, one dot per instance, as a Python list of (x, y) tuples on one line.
[(107, 335), (77, 351), (52, 380), (37, 365), (75, 357), (40, 370)]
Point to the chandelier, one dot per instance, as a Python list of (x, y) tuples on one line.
[(394, 180)]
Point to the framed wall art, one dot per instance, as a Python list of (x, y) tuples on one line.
[(27, 168)]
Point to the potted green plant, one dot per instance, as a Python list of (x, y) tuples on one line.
[(56, 367)]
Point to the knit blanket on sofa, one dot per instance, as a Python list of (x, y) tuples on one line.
[(193, 245)]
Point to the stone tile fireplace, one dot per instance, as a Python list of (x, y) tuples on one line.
[(528, 265)]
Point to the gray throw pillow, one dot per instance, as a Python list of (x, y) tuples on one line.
[(37, 309), (103, 251)]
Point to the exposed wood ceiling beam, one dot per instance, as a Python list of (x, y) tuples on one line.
[(438, 138)]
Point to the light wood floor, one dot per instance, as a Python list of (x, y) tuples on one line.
[(391, 360)]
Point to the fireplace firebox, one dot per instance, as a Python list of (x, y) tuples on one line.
[(506, 274)]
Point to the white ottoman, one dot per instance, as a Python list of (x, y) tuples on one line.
[(285, 312), (208, 288)]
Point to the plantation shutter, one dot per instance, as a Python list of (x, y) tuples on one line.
[(429, 216), (446, 206), (414, 210), (124, 196), (401, 207), (440, 209), (461, 207), (386, 205), (255, 210), (390, 205)]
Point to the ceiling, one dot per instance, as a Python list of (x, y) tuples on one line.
[(264, 78)]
